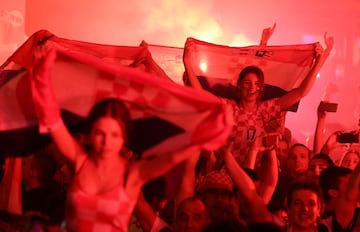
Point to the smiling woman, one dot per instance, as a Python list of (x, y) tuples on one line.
[(350, 159), (253, 117)]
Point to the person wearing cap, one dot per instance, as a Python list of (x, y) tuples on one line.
[(217, 194)]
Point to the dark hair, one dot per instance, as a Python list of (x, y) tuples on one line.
[(225, 225), (201, 163), (265, 226), (111, 107), (2, 164), (275, 206), (285, 139), (191, 199), (154, 191), (324, 157), (303, 184), (250, 69), (300, 145), (329, 179), (45, 164), (252, 174)]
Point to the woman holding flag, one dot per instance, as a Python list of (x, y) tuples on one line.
[(105, 186), (252, 117)]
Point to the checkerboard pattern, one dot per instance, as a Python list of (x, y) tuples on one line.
[(248, 125), (218, 179), (107, 212), (185, 107), (143, 100)]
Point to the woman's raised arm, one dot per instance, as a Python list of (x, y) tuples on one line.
[(46, 106)]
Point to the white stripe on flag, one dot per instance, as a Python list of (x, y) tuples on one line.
[(283, 66), (84, 73)]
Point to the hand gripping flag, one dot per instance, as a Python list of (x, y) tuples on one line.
[(218, 66), (85, 72)]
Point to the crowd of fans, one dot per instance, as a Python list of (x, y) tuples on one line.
[(260, 180)]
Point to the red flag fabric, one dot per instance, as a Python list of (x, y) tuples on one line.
[(218, 66), (86, 72), (170, 59), (167, 116)]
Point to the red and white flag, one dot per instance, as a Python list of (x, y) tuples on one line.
[(218, 66), (85, 72), (167, 116), (170, 59)]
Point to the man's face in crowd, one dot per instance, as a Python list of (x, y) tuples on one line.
[(316, 167), (191, 216), (298, 160), (217, 201), (304, 209)]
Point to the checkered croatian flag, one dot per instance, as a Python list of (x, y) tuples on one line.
[(162, 111), (167, 116), (218, 66)]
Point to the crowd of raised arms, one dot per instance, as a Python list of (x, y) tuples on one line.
[(86, 182)]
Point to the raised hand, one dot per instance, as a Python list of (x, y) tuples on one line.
[(47, 109), (332, 143), (329, 41), (266, 34), (319, 50), (44, 56)]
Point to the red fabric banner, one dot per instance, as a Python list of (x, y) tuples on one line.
[(85, 72), (176, 116), (219, 66)]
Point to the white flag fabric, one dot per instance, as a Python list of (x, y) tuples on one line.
[(167, 117), (218, 66)]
